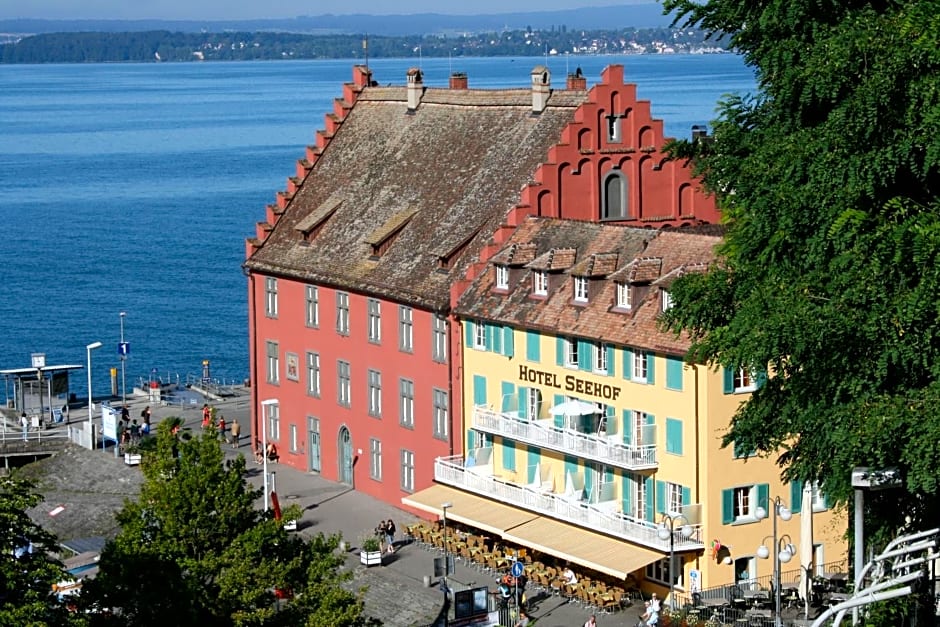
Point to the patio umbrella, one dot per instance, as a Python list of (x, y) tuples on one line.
[(573, 407)]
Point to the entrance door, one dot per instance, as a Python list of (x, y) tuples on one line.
[(313, 443), (345, 457)]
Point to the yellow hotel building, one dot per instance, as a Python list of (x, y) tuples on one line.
[(586, 433)]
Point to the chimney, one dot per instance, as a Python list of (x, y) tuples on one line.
[(415, 88), (362, 76), (699, 132), (541, 88), (458, 80), (576, 81)]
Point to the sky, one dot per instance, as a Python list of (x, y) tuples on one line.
[(254, 9)]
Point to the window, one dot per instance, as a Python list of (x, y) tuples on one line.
[(342, 313), (600, 357), (673, 502), (406, 403), (375, 459), (659, 571), (744, 380), (613, 128), (343, 383), (571, 352), (274, 362), (674, 371), (667, 300), (313, 374), (639, 503), (479, 336), (440, 414), (614, 197), (294, 447), (273, 411), (407, 470), (375, 321), (532, 346), (739, 505), (643, 430), (533, 403), (439, 350), (624, 296), (819, 498), (502, 278), (375, 393), (580, 289), (405, 329), (640, 372), (674, 436), (312, 299), (540, 283), (270, 297)]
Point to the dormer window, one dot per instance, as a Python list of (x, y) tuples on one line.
[(624, 296), (540, 283), (667, 300), (502, 277), (580, 289)]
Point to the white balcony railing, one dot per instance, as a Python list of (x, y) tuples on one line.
[(604, 449), (481, 480)]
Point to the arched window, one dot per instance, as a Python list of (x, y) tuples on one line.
[(614, 197)]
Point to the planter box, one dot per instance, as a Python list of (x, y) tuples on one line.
[(371, 558), (132, 459)]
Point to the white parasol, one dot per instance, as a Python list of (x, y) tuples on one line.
[(573, 407)]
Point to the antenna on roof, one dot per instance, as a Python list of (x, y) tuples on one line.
[(365, 50), (546, 55)]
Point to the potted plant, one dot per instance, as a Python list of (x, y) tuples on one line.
[(132, 455), (370, 551)]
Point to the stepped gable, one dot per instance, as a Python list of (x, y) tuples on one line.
[(417, 180), (669, 252)]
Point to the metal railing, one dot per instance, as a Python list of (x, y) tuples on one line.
[(545, 434), (452, 471)]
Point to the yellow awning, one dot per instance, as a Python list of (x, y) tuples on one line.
[(469, 509), (617, 558)]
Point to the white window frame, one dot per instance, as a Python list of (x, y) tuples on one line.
[(479, 336), (312, 306), (666, 300), (639, 503), (294, 442), (439, 347), (502, 277), (313, 374), (270, 297), (638, 424), (375, 459), (571, 352), (600, 357), (406, 403), (407, 470), (273, 415), (533, 403), (405, 329), (440, 412), (818, 498), (744, 381), (375, 393), (580, 289), (745, 503), (343, 383), (673, 504), (624, 296), (342, 313), (640, 373), (274, 362), (540, 282), (375, 320)]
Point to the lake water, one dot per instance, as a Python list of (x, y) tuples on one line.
[(132, 187)]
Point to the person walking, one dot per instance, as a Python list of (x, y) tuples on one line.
[(24, 422), (206, 416), (222, 428), (591, 621), (390, 535), (236, 432)]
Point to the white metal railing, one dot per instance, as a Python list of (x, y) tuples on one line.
[(545, 434), (480, 480)]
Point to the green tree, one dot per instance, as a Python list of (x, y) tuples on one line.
[(830, 270), (27, 570), (194, 550)]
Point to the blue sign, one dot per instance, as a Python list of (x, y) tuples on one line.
[(124, 348), (517, 569)]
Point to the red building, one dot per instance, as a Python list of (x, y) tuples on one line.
[(353, 272)]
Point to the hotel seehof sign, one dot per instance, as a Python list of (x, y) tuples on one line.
[(569, 383)]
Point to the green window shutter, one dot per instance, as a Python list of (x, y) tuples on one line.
[(585, 353), (509, 455), (589, 484), (627, 427), (727, 506), (571, 466), (507, 396), (763, 496), (523, 405), (796, 496), (559, 419), (610, 359), (560, 351), (532, 348), (686, 495), (760, 378), (479, 390), (626, 494), (494, 338), (532, 462), (650, 368), (508, 342), (660, 497), (468, 334), (674, 436), (650, 514), (674, 368), (627, 363), (471, 439), (728, 382)]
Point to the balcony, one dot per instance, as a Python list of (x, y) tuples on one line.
[(598, 447), (478, 478)]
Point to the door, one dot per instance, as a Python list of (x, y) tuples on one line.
[(313, 443), (345, 457)]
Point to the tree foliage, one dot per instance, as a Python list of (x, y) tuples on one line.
[(830, 273), (194, 550)]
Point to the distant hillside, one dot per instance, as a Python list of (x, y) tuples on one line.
[(588, 18)]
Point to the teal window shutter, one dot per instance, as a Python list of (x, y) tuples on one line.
[(523, 405), (686, 495), (626, 494), (532, 462), (585, 354), (507, 396), (532, 348), (469, 333), (650, 368), (471, 439), (627, 363), (727, 506), (796, 496), (508, 343), (559, 419), (610, 359), (494, 338), (509, 455), (674, 436), (728, 380), (627, 426), (760, 378), (650, 514), (660, 496), (479, 390), (763, 496), (560, 351), (674, 368)]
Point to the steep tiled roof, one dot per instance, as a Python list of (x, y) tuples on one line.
[(515, 255), (674, 252), (458, 162)]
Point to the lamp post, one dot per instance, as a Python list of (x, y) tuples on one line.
[(91, 427), (667, 531), (444, 508), (264, 444), (783, 549), (123, 369)]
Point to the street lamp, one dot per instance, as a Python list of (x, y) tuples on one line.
[(271, 402), (667, 531), (123, 359), (784, 550), (444, 508), (91, 427)]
